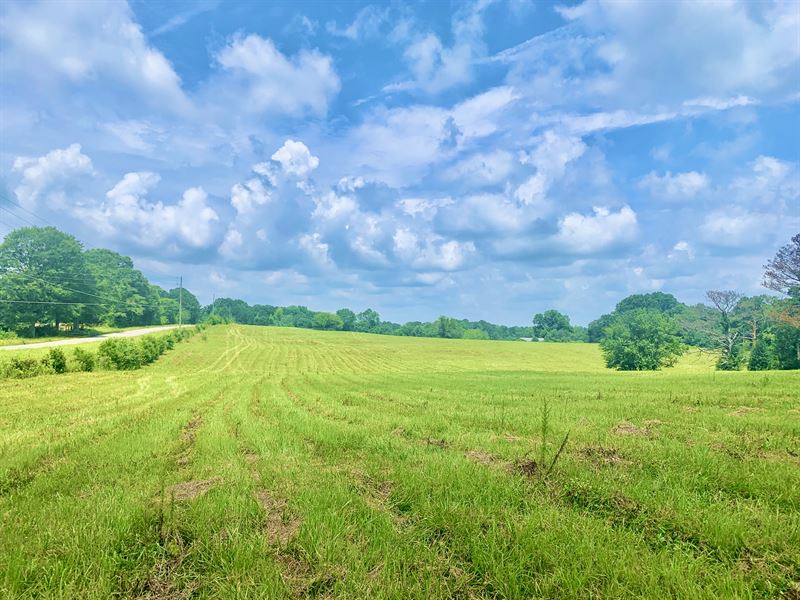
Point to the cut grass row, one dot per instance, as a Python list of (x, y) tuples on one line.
[(267, 462)]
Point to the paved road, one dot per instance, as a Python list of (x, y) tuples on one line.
[(94, 338)]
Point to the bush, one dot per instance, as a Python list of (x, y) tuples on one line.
[(57, 360), (151, 348), (7, 335), (85, 360), (641, 340), (121, 354), (22, 368)]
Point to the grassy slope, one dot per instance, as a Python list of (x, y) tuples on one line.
[(367, 466)]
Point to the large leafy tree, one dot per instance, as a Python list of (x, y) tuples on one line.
[(127, 292), (326, 320), (44, 280), (348, 318), (659, 301), (552, 325), (641, 340)]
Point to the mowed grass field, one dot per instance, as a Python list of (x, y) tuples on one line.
[(284, 463)]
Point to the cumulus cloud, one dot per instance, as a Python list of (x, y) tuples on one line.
[(48, 176), (679, 186), (585, 234), (771, 181), (266, 80), (295, 158), (246, 196), (127, 213)]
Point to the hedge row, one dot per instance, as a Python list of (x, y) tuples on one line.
[(123, 354)]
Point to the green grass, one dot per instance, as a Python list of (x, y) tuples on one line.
[(271, 463)]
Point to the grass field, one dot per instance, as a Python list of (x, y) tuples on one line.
[(270, 463)]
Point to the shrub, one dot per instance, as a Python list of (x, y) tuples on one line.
[(7, 335), (85, 360), (120, 353), (57, 360), (151, 348), (22, 368)]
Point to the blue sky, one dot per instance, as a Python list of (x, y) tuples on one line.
[(487, 159)]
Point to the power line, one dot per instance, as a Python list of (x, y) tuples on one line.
[(108, 301), (24, 220), (18, 205)]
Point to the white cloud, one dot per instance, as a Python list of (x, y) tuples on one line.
[(315, 248), (232, 244), (47, 175), (679, 186), (269, 81), (737, 227), (436, 67), (432, 253), (367, 24), (127, 213), (584, 234), (771, 182), (85, 42), (655, 52), (478, 116), (682, 247), (296, 158), (551, 154), (246, 196)]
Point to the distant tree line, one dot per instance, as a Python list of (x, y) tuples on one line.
[(48, 280)]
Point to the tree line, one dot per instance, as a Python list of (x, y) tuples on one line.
[(650, 331), (49, 281)]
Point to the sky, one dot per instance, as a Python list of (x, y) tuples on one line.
[(484, 160)]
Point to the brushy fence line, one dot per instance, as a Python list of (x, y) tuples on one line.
[(119, 354)]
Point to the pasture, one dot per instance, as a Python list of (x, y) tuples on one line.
[(259, 462)]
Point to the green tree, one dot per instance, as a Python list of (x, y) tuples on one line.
[(762, 357), (191, 306), (597, 328), (126, 291), (449, 328), (329, 321), (348, 318), (367, 320), (658, 301), (44, 280), (642, 340)]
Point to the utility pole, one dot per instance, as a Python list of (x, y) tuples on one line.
[(180, 302)]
